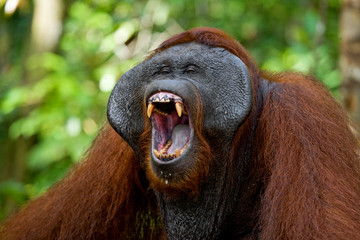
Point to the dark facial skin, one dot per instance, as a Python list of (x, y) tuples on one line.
[(203, 77)]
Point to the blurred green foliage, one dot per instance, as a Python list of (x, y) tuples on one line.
[(52, 103)]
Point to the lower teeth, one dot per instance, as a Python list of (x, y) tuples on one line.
[(163, 151), (162, 154)]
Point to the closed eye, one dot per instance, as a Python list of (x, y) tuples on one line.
[(191, 69)]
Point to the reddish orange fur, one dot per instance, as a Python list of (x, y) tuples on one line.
[(311, 164), (304, 154), (102, 198)]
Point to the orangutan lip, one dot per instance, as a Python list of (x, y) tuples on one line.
[(171, 128)]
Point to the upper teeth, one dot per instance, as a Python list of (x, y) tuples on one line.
[(150, 109), (179, 108), (164, 97)]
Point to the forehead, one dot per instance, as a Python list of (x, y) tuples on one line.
[(193, 52)]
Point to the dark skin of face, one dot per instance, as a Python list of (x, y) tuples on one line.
[(211, 79)]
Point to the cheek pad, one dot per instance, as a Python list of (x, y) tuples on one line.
[(125, 106), (227, 97)]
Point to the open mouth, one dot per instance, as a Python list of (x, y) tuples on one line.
[(171, 126)]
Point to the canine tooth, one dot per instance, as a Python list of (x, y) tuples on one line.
[(157, 99), (157, 154), (179, 108), (177, 152), (150, 109)]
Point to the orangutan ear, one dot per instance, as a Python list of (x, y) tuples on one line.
[(125, 107)]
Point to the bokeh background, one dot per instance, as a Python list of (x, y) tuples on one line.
[(59, 60)]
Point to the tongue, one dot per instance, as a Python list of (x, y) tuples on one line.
[(180, 136)]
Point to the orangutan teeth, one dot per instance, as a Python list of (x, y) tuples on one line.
[(163, 151), (169, 120), (157, 154), (157, 103), (179, 108), (164, 97), (150, 109), (163, 156), (164, 100), (177, 152), (183, 149)]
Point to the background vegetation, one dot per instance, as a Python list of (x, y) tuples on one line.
[(57, 70)]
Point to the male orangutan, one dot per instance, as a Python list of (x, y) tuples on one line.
[(202, 145)]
